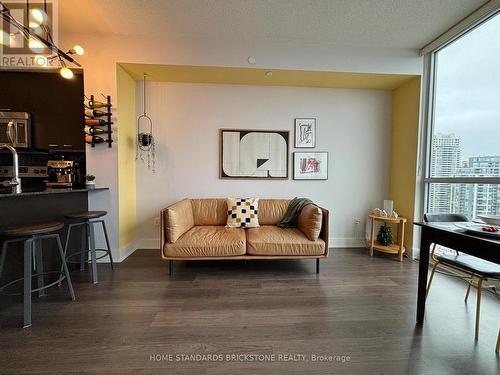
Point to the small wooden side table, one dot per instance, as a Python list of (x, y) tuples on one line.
[(397, 248)]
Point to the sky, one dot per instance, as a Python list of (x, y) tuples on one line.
[(468, 90)]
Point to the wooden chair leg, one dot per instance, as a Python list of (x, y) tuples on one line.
[(478, 307), (430, 279), (468, 288)]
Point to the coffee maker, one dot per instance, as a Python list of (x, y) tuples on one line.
[(63, 173)]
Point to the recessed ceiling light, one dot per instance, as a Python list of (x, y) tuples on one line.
[(269, 73), (251, 60)]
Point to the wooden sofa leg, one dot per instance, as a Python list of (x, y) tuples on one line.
[(170, 267), (317, 265)]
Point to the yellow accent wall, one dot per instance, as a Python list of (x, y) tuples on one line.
[(404, 152), (126, 107), (405, 123), (258, 76)]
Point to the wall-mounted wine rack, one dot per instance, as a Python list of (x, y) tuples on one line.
[(98, 121)]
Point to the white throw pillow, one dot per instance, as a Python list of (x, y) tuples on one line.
[(242, 213)]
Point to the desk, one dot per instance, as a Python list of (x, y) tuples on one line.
[(448, 235)]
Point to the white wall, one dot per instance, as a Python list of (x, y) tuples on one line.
[(352, 125), (102, 52)]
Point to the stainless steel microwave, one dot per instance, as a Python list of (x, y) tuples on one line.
[(20, 128)]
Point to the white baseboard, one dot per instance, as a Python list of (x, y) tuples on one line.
[(126, 251), (148, 243), (346, 242)]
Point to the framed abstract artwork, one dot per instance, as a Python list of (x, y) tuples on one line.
[(310, 165), (254, 154), (305, 132)]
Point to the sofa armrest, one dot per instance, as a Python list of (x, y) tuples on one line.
[(310, 221), (176, 220), (325, 228)]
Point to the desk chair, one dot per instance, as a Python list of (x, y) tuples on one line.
[(476, 267)]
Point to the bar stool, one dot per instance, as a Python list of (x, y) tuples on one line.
[(32, 236), (88, 240)]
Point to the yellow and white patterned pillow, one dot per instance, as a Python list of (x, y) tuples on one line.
[(242, 213)]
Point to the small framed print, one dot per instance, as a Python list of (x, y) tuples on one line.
[(310, 165), (305, 132)]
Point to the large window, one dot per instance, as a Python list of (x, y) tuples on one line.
[(463, 174)]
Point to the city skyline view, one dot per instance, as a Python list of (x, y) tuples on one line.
[(467, 199)]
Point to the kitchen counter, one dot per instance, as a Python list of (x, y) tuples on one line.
[(30, 191)]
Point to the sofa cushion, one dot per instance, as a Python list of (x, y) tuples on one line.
[(242, 213), (209, 211), (273, 240), (208, 241), (272, 211), (178, 219), (309, 221)]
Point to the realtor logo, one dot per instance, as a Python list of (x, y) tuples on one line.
[(18, 51)]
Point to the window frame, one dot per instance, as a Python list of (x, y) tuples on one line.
[(428, 113)]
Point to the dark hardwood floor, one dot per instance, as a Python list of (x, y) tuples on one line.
[(357, 306)]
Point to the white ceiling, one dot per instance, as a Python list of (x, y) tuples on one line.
[(376, 23)]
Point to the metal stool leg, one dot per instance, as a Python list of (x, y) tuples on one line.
[(27, 283), (37, 253), (66, 243), (92, 252), (107, 244), (2, 257), (85, 246), (65, 267)]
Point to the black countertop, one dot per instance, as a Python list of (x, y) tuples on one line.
[(30, 191)]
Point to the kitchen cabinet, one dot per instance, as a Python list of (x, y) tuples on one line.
[(55, 105)]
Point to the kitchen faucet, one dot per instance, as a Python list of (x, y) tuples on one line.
[(15, 182)]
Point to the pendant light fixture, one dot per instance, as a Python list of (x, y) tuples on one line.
[(145, 139), (39, 36)]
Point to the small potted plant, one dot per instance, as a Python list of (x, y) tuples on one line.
[(90, 181), (385, 235)]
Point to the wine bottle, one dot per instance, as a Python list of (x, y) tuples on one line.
[(94, 122), (93, 139), (91, 130), (94, 113), (93, 104)]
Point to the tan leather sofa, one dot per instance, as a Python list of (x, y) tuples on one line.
[(195, 229)]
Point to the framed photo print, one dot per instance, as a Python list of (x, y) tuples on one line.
[(305, 132), (310, 165), (254, 154)]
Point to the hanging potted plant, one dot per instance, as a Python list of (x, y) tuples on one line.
[(145, 138), (90, 181)]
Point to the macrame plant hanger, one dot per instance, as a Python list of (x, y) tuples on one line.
[(145, 139)]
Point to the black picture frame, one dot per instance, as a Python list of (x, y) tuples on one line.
[(284, 133), (299, 153), (297, 124)]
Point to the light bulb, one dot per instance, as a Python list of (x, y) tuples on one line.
[(78, 50), (41, 60), (38, 15), (35, 45), (4, 38), (66, 72)]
